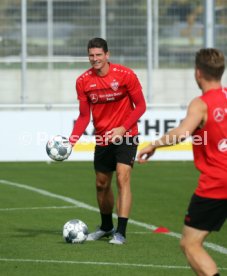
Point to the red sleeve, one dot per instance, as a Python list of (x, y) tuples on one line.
[(81, 122), (80, 90), (140, 108), (137, 97)]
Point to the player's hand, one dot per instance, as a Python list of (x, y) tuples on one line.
[(115, 134), (73, 139), (146, 153)]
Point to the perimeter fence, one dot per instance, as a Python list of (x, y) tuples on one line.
[(43, 45)]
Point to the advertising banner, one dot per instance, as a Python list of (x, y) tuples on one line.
[(25, 134)]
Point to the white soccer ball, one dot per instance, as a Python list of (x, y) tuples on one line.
[(75, 231), (58, 148)]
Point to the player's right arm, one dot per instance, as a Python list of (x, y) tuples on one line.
[(196, 117), (84, 115), (81, 122)]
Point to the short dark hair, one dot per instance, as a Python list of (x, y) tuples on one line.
[(97, 42), (211, 62)]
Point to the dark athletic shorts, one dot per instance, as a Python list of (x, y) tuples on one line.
[(206, 213), (107, 157)]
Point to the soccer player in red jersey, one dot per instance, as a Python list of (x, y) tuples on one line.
[(113, 94), (206, 121)]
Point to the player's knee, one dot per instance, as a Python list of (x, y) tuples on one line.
[(185, 245), (123, 180), (189, 247), (102, 185)]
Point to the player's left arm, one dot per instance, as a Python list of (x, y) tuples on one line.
[(140, 107), (137, 97)]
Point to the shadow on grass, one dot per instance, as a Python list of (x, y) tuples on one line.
[(27, 233)]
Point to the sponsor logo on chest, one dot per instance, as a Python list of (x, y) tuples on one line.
[(109, 93), (107, 96), (222, 145), (94, 98), (219, 114)]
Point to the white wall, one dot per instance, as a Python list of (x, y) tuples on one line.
[(58, 86)]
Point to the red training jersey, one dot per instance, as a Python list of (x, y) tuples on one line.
[(210, 147), (115, 99)]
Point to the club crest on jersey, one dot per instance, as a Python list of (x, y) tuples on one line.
[(114, 85), (94, 98)]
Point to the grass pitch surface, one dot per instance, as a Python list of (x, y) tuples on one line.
[(36, 199)]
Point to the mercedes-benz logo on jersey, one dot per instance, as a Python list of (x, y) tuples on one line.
[(114, 85), (222, 145), (93, 98), (219, 114)]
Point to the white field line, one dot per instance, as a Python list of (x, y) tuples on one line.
[(37, 208), (94, 263), (100, 263), (77, 203)]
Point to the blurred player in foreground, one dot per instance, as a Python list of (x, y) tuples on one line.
[(113, 94), (206, 121)]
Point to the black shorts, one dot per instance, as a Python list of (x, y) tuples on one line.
[(107, 157), (206, 213)]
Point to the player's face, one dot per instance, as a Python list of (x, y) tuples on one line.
[(98, 58)]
